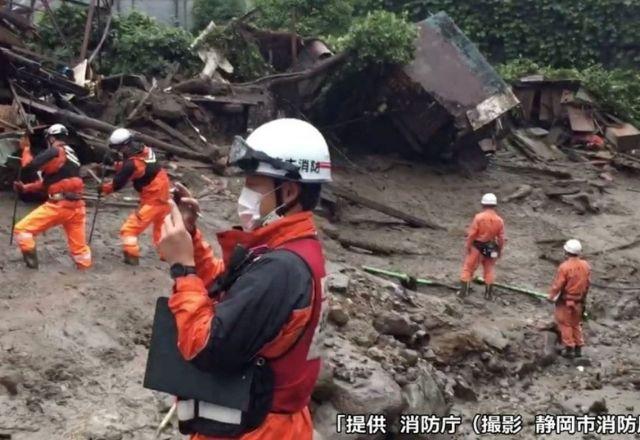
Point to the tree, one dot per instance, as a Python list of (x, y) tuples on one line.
[(136, 42), (306, 17), (141, 44), (381, 37)]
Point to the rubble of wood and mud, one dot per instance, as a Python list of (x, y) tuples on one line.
[(414, 150)]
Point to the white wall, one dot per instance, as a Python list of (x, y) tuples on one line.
[(174, 12)]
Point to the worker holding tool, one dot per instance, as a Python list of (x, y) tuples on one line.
[(60, 177), (140, 166), (569, 293), (485, 242), (261, 307)]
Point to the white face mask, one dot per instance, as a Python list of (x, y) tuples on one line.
[(249, 209)]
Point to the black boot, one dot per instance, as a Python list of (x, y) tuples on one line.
[(31, 259), (488, 292), (131, 260), (567, 353), (465, 289), (578, 352)]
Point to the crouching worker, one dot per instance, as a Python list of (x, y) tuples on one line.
[(569, 292), (259, 309), (141, 167), (59, 169)]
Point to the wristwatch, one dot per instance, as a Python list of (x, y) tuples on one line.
[(180, 270)]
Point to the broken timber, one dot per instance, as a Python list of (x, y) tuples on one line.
[(176, 134), (622, 247), (377, 206), (375, 248), (537, 169), (144, 99), (86, 122), (521, 192)]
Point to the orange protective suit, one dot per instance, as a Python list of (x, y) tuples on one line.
[(194, 312), (70, 215), (572, 285), (60, 172), (140, 220), (153, 184), (486, 226)]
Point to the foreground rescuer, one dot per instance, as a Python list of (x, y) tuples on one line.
[(59, 169), (485, 242), (141, 167), (569, 292), (260, 307)]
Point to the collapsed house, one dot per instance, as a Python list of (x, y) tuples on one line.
[(456, 87), (561, 119), (440, 105)]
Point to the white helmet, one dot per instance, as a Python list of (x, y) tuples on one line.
[(119, 137), (489, 199), (573, 247), (57, 130), (284, 148)]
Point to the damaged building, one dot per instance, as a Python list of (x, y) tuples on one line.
[(438, 106)]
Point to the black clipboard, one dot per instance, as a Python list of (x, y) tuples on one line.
[(167, 371)]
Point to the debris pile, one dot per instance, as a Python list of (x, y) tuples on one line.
[(564, 121), (188, 119)]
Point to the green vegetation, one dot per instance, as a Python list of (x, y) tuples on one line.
[(141, 44), (559, 33), (380, 37), (307, 17), (136, 44), (617, 90)]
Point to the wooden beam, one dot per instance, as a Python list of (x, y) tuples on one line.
[(21, 111), (176, 134), (367, 245), (144, 99), (87, 31), (411, 220), (87, 122)]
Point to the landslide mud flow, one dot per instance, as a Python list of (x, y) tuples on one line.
[(73, 345)]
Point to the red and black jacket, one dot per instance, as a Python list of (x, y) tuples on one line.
[(60, 169), (272, 309), (147, 176)]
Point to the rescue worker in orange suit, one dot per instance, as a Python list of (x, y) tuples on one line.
[(141, 167), (59, 169), (485, 242), (569, 292), (268, 305)]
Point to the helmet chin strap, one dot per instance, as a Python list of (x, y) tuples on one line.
[(281, 207)]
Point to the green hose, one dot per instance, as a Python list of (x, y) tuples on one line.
[(529, 292), (405, 277)]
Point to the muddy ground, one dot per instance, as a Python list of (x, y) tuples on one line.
[(73, 345)]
